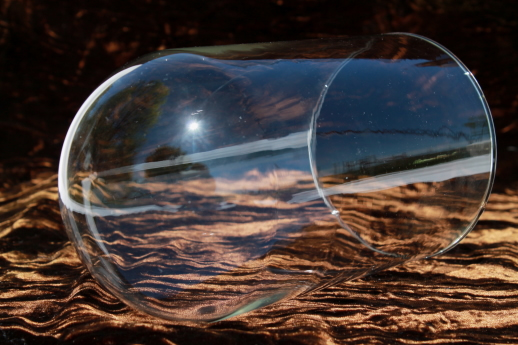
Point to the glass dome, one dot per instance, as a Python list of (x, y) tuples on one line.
[(202, 183)]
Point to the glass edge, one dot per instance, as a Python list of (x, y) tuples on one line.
[(492, 135)]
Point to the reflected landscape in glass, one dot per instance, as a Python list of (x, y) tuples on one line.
[(202, 183)]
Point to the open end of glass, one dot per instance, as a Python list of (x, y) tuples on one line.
[(403, 147)]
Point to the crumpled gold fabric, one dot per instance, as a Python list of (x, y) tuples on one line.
[(470, 294)]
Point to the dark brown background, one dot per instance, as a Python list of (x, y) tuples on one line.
[(54, 53)]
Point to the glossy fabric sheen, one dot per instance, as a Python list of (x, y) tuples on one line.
[(469, 294)]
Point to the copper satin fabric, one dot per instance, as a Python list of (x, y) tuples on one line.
[(53, 56), (469, 294)]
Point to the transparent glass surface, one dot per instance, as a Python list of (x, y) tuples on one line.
[(202, 183)]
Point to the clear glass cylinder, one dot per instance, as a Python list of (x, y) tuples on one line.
[(202, 183)]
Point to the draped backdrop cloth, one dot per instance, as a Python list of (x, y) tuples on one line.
[(53, 57)]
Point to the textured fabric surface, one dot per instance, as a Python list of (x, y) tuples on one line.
[(53, 56)]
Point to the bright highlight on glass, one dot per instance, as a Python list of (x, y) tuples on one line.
[(193, 126), (203, 183)]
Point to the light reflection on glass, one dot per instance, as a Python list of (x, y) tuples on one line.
[(193, 126)]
